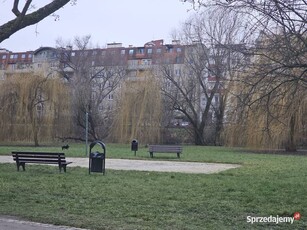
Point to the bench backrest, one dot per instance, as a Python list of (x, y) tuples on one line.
[(166, 148), (33, 157)]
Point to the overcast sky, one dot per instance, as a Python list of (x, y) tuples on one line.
[(131, 22)]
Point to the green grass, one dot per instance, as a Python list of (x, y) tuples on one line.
[(265, 185)]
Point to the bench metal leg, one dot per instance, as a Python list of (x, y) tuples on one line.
[(178, 155), (22, 165), (62, 166), (151, 154)]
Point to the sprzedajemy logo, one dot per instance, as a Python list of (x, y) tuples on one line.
[(273, 219)]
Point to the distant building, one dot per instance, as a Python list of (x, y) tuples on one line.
[(136, 61), (11, 63)]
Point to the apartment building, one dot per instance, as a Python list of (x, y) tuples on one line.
[(11, 62), (132, 62)]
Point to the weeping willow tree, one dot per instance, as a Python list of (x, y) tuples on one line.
[(139, 111), (33, 108), (270, 108), (276, 120)]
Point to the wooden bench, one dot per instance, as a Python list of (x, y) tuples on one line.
[(22, 158), (165, 149)]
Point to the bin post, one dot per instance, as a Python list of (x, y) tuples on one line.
[(134, 146)]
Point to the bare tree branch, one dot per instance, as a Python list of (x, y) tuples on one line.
[(23, 20)]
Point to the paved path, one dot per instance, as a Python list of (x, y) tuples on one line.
[(148, 165), (11, 223)]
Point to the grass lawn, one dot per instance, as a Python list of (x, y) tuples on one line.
[(265, 185)]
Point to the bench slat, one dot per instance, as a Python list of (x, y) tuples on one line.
[(38, 153), (25, 160), (39, 158)]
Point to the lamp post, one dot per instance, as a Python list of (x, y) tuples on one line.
[(86, 132)]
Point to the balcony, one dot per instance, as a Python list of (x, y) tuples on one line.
[(139, 67)]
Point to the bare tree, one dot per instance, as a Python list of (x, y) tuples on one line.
[(93, 75), (276, 77), (24, 16), (279, 25), (199, 90)]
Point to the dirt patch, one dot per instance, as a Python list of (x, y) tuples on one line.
[(148, 165)]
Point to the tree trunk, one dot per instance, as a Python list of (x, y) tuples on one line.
[(199, 136), (291, 145), (35, 136), (34, 128)]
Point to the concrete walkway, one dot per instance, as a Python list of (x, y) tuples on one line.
[(11, 223), (148, 165)]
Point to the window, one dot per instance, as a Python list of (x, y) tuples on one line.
[(178, 50), (168, 84), (94, 96), (12, 56), (122, 52), (53, 64), (23, 56), (149, 51), (73, 54), (140, 50), (159, 50), (146, 62), (203, 101), (110, 96), (30, 56), (21, 66), (3, 56), (216, 99), (13, 66), (100, 74), (131, 52), (178, 60), (178, 72), (132, 63)]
